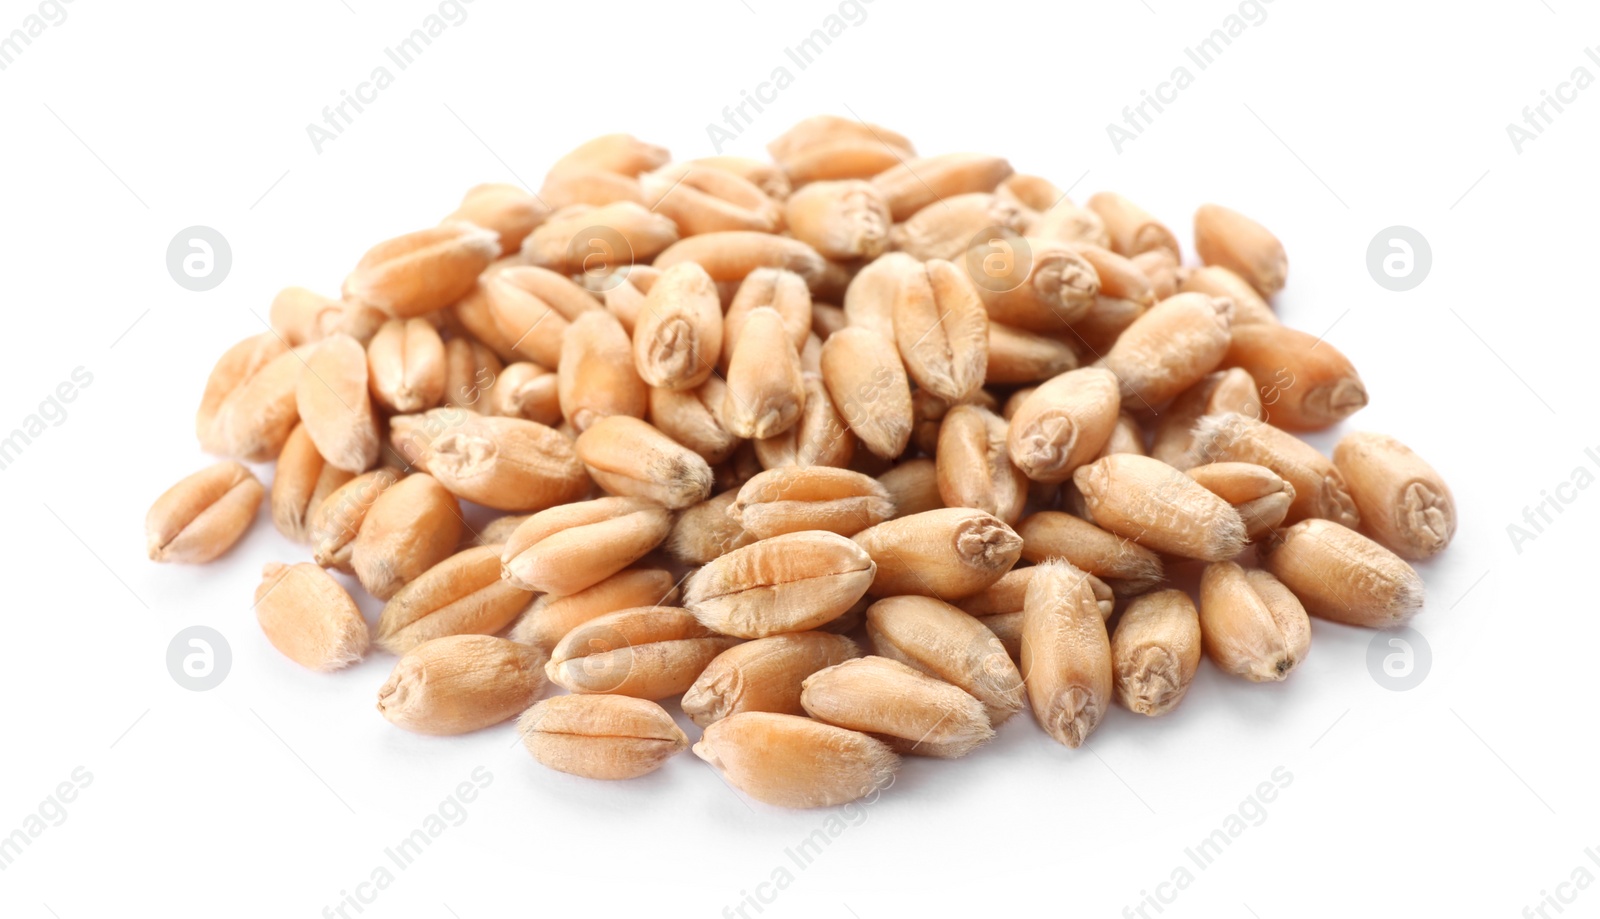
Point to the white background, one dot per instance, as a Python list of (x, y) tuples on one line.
[(271, 794)]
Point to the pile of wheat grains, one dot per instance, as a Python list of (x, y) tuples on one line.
[(853, 453)]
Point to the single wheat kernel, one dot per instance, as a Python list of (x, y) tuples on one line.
[(1220, 393), (913, 486), (532, 308), (296, 315), (596, 375), (710, 201), (462, 595), (470, 371), (334, 402), (1155, 651), (335, 522), (914, 712), (406, 365), (650, 652), (764, 675), (948, 553), (1404, 503), (566, 549), (788, 583), (1064, 423), (794, 498), (781, 290), (1131, 229), (582, 238), (1170, 348), (527, 391), (1066, 653), (678, 336), (942, 331), (410, 527), (766, 390), (943, 229), (1216, 281), (504, 463), (844, 220), (601, 737), (249, 407), (1253, 625), (622, 154), (1261, 496), (1018, 356), (1159, 507), (864, 375), (1343, 576), (423, 271), (626, 456), (1306, 383), (1230, 239), (202, 516), (693, 418), (789, 761), (1036, 284), (973, 466), (1128, 567), (311, 619), (731, 256), (506, 209), (550, 618), (870, 298), (819, 438), (910, 186), (461, 683)]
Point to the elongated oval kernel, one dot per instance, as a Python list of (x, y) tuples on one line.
[(1405, 505), (412, 526), (844, 220), (461, 683), (462, 595), (1155, 651), (1120, 278), (628, 457), (525, 390), (867, 381), (913, 486), (1248, 306), (202, 516), (1230, 239), (507, 463), (550, 618), (788, 583), (620, 153), (588, 189), (1253, 625), (766, 390), (678, 336), (764, 175), (1036, 284), (423, 271), (707, 531), (1131, 229), (335, 404), (573, 547), (710, 201), (794, 498), (942, 331), (1306, 384), (732, 255), (1219, 393), (335, 522), (974, 467), (819, 438), (789, 761), (648, 653), (943, 229), (781, 290), (1066, 653), (472, 314), (693, 418), (1018, 356), (300, 482), (406, 366), (764, 675), (1339, 574), (250, 405), (597, 375), (915, 712), (1159, 507), (1320, 489), (601, 737), (869, 299), (508, 210), (311, 619), (1064, 423), (1127, 566), (913, 185), (582, 239), (948, 553), (532, 308), (1261, 496), (820, 133), (944, 642), (1170, 348)]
